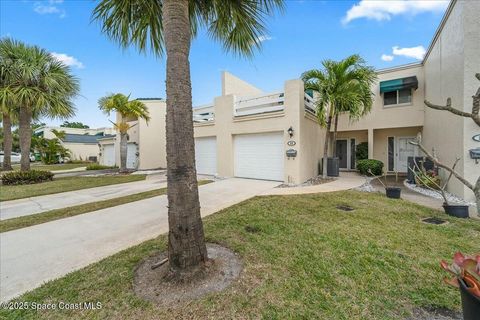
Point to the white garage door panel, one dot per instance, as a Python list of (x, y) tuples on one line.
[(131, 156), (206, 155), (108, 158), (259, 156)]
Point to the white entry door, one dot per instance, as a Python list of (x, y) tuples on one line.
[(404, 150), (260, 156), (108, 158), (206, 155), (132, 156)]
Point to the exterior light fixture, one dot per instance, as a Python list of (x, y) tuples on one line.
[(290, 131)]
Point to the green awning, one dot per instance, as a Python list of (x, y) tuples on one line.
[(397, 84)]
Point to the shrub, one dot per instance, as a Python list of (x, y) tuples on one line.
[(96, 166), (375, 166), (361, 152), (26, 177), (428, 179)]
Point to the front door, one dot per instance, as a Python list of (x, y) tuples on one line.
[(404, 150), (342, 153)]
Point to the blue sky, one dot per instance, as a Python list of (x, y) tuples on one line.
[(385, 33)]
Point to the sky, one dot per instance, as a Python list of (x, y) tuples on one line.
[(385, 33)]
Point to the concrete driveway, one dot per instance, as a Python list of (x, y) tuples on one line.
[(33, 255), (27, 206)]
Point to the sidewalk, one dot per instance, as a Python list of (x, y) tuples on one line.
[(346, 181), (27, 206)]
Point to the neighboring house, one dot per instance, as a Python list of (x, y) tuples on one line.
[(82, 143), (275, 136)]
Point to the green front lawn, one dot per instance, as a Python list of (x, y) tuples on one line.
[(34, 219), (63, 185), (309, 260)]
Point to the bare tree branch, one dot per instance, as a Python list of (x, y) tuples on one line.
[(441, 165), (475, 114)]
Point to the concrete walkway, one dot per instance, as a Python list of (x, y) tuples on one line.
[(346, 181), (33, 255), (27, 206)]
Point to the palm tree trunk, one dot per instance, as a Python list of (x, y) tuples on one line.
[(186, 242), (25, 133), (334, 139), (325, 148), (123, 152), (7, 141)]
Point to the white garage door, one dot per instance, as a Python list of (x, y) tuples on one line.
[(259, 156), (108, 158), (131, 156), (206, 155)]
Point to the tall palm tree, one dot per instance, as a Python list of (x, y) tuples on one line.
[(167, 27), (6, 106), (39, 84), (126, 109), (6, 119), (342, 87)]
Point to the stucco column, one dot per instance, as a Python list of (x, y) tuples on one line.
[(293, 111), (223, 123), (370, 143)]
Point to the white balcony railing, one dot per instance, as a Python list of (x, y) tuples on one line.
[(264, 103), (309, 104), (204, 113)]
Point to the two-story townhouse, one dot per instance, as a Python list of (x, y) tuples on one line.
[(249, 133)]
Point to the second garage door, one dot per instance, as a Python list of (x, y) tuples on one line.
[(206, 155), (108, 158), (259, 156)]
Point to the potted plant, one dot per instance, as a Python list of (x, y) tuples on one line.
[(430, 180), (466, 270), (391, 192)]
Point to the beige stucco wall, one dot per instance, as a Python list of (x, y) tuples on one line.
[(152, 137), (391, 117), (234, 85), (449, 71), (81, 151)]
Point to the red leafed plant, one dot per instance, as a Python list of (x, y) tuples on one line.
[(465, 268)]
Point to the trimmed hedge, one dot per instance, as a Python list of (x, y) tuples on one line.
[(362, 151), (375, 166), (96, 166), (26, 177)]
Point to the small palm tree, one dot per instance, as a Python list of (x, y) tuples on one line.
[(38, 84), (126, 109), (167, 27), (342, 87)]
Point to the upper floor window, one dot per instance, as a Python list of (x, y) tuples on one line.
[(397, 97)]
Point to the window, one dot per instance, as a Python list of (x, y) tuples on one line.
[(402, 96), (391, 153)]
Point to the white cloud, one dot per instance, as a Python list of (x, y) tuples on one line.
[(417, 52), (49, 7), (386, 57), (384, 10), (264, 38), (68, 60)]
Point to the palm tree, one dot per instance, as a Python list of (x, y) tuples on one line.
[(167, 27), (6, 107), (6, 119), (126, 109), (38, 84), (342, 87)]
